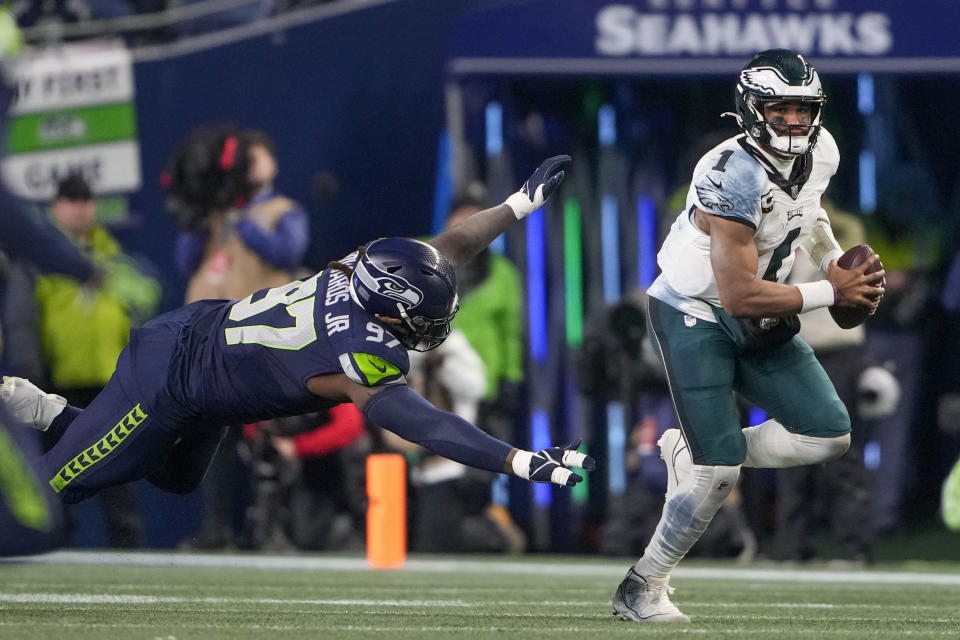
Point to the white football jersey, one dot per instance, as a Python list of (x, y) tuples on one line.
[(736, 181)]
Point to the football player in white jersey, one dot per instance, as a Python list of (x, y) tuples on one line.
[(723, 320)]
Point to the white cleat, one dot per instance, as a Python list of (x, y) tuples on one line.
[(674, 451), (645, 599), (29, 404)]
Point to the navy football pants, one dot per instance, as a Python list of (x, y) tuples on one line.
[(116, 439)]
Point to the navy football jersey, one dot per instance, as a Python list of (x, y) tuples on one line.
[(250, 359)]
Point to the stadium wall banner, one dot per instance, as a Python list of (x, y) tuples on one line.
[(697, 37), (73, 112)]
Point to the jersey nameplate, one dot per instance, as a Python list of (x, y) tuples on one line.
[(338, 291)]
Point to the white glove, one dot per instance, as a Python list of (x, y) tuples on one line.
[(878, 393), (538, 187)]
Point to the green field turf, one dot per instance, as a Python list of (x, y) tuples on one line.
[(178, 596)]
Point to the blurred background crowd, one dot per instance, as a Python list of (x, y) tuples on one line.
[(362, 119)]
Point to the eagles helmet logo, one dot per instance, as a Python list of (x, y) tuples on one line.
[(765, 80), (399, 289)]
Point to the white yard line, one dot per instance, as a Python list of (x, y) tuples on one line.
[(96, 598), (366, 629), (522, 566)]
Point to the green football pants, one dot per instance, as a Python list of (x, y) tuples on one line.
[(703, 372)]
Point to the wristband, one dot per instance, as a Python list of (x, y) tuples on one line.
[(817, 294), (520, 204), (521, 464)]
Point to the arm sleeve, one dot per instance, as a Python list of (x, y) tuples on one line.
[(344, 427), (25, 237), (285, 245), (406, 414), (821, 245)]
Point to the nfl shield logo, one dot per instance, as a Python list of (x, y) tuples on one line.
[(689, 320), (794, 191)]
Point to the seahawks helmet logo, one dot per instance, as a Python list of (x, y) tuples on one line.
[(399, 289), (374, 281)]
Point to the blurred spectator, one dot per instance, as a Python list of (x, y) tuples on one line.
[(491, 319), (904, 336), (948, 392), (67, 336), (30, 517), (489, 328), (307, 481), (950, 499), (229, 249), (450, 503), (841, 494), (617, 363)]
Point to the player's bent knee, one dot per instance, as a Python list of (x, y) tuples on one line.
[(834, 420), (814, 450), (836, 447)]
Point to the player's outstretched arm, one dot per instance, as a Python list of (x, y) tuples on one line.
[(470, 237), (402, 411)]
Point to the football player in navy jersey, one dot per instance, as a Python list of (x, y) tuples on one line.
[(724, 320), (339, 336)]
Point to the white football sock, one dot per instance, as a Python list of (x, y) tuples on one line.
[(771, 446), (685, 517)]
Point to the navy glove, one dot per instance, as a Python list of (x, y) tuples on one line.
[(538, 187), (551, 465)]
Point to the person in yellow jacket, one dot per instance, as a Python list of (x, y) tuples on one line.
[(83, 330), (73, 332)]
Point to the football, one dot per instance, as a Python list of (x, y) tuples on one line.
[(850, 317)]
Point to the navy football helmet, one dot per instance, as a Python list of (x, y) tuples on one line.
[(409, 281), (775, 76)]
